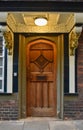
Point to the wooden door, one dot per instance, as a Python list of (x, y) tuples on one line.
[(41, 78)]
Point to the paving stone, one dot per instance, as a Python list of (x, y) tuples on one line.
[(79, 124), (62, 125), (11, 125), (36, 125)]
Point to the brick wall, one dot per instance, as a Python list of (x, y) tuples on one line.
[(9, 110), (73, 109)]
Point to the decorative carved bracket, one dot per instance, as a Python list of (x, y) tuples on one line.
[(74, 37), (73, 42), (8, 41)]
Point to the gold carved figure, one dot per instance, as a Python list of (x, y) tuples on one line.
[(8, 41)]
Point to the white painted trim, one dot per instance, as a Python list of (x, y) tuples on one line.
[(71, 74), (9, 73)]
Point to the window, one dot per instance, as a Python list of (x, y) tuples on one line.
[(6, 68), (2, 50)]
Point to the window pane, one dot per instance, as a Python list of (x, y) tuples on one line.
[(0, 84), (0, 72), (1, 52), (1, 61), (1, 45)]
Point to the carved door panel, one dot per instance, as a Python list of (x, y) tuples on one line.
[(41, 78)]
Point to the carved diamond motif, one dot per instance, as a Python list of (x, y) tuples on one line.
[(41, 61)]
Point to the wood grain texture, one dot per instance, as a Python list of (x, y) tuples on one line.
[(41, 81)]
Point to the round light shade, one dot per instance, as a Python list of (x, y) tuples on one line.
[(40, 21)]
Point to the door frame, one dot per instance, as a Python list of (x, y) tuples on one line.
[(22, 74)]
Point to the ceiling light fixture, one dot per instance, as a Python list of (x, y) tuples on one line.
[(40, 21)]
